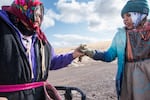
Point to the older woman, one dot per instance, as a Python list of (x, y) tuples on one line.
[(26, 56)]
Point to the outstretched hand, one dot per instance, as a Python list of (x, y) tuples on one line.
[(81, 51), (88, 52), (81, 47), (77, 53)]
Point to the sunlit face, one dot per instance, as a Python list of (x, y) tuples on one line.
[(128, 21), (38, 15)]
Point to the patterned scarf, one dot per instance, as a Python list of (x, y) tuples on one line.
[(24, 10), (145, 29)]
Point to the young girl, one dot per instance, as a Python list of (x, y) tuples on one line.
[(131, 45)]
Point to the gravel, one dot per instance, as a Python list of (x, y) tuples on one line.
[(95, 78)]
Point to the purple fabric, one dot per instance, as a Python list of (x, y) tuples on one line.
[(33, 58), (5, 16), (60, 61)]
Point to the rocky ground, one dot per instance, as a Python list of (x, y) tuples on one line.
[(94, 78)]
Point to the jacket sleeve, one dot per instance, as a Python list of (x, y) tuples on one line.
[(108, 55), (60, 61)]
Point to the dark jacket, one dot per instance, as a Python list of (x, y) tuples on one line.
[(14, 64)]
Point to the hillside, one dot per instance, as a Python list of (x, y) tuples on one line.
[(103, 45)]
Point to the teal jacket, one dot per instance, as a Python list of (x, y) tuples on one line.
[(116, 50)]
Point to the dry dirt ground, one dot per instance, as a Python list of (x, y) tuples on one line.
[(94, 78)]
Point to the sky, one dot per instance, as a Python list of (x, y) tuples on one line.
[(70, 23)]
